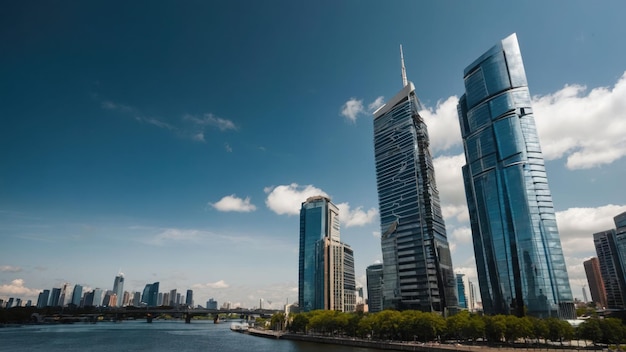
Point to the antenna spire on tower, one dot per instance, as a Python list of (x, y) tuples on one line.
[(404, 80)]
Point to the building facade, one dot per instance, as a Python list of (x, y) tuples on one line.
[(374, 277), (521, 268), (326, 265), (611, 250), (460, 285), (118, 289), (417, 265), (594, 279)]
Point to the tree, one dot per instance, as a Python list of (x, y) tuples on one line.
[(495, 326), (457, 325), (476, 327), (299, 323), (613, 331), (277, 321), (590, 330)]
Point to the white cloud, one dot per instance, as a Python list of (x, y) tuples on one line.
[(10, 269), (356, 217), (577, 226), (376, 234), (380, 101), (173, 235), (221, 284), (211, 120), (462, 235), (17, 289), (233, 203), (449, 179), (287, 199), (228, 148), (352, 108), (443, 125), (589, 130)]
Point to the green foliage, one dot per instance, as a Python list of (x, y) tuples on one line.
[(277, 322), (299, 323)]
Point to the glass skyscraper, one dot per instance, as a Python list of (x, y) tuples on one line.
[(118, 289), (417, 266), (326, 266), (520, 263), (611, 249), (374, 277)]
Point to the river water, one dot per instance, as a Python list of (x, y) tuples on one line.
[(157, 336)]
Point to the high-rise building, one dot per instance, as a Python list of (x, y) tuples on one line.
[(54, 297), (145, 296), (172, 298), (460, 286), (594, 279), (374, 277), (118, 289), (417, 265), (77, 294), (97, 297), (472, 296), (211, 304), (521, 268), (189, 298), (326, 265), (42, 300), (611, 250)]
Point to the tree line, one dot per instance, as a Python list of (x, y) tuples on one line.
[(411, 325)]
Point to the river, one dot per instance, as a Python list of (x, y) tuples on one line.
[(157, 336)]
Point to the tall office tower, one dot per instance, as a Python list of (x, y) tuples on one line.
[(77, 294), (97, 297), (42, 300), (145, 296), (417, 266), (136, 302), (472, 296), (349, 279), (521, 268), (594, 279), (460, 285), (118, 289), (326, 265), (88, 301), (374, 278), (611, 249), (54, 297), (189, 298), (66, 296), (172, 298), (156, 297)]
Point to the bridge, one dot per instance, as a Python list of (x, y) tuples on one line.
[(149, 313)]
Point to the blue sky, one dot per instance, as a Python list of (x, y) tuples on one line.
[(175, 141)]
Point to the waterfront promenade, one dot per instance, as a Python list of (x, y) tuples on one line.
[(412, 346)]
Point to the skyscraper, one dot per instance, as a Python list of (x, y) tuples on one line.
[(77, 295), (521, 268), (460, 285), (374, 277), (417, 266), (189, 298), (42, 300), (118, 289), (326, 265), (594, 279), (611, 249)]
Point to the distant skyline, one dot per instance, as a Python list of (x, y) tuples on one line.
[(175, 142)]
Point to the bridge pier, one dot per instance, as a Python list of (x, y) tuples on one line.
[(187, 318), (149, 318)]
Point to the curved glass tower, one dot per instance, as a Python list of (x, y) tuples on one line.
[(417, 265), (521, 268)]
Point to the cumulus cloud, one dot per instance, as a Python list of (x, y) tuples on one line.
[(462, 235), (352, 108), (233, 203), (173, 235), (577, 226), (356, 217), (443, 125), (17, 288), (449, 179), (10, 269), (373, 106), (287, 199), (589, 129)]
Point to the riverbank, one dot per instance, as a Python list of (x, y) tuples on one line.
[(401, 346)]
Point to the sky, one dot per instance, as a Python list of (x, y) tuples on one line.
[(174, 141)]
